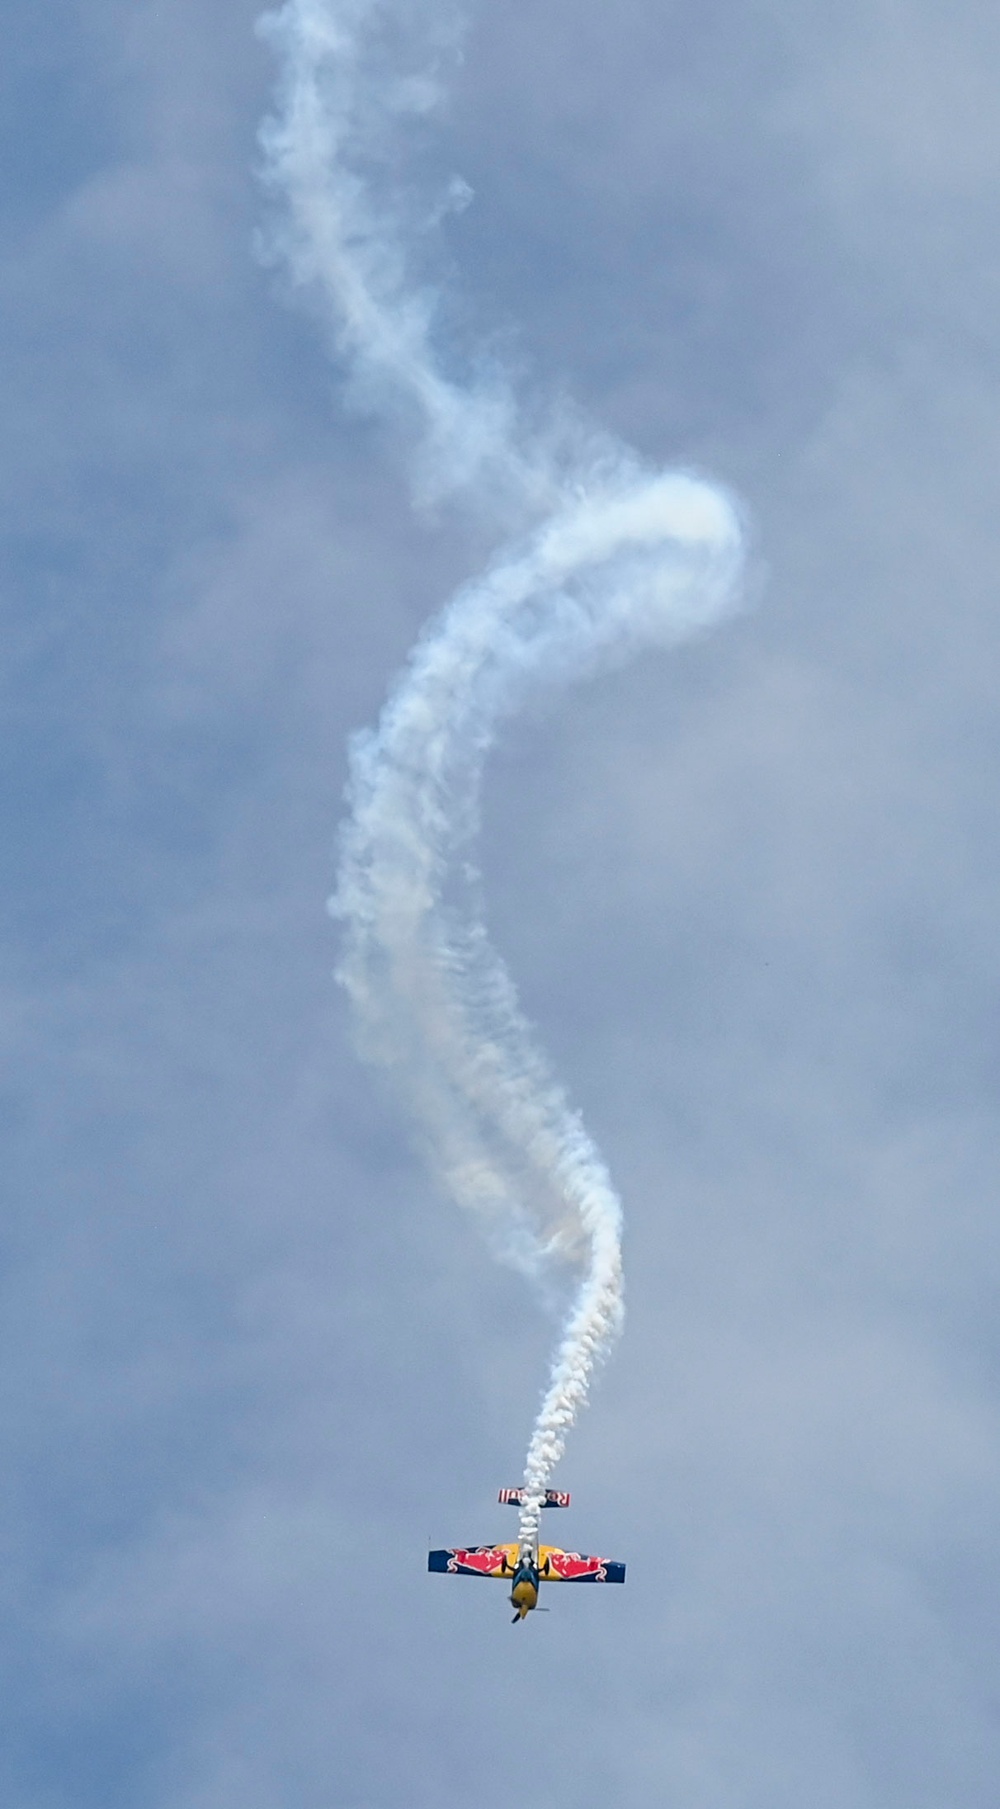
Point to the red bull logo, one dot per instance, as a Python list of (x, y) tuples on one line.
[(573, 1567), (482, 1560)]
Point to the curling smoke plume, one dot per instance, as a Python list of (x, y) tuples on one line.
[(599, 557)]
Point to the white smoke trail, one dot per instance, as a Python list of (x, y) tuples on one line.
[(607, 557)]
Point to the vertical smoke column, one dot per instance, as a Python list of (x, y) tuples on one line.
[(605, 557)]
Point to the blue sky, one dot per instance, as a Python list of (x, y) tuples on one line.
[(251, 1361)]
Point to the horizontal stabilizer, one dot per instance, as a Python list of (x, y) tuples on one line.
[(552, 1498)]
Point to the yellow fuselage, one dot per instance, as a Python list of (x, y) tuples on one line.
[(524, 1589), (524, 1596)]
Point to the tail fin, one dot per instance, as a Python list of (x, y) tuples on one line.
[(514, 1498)]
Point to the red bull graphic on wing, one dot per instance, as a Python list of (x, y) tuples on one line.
[(570, 1566), (475, 1560)]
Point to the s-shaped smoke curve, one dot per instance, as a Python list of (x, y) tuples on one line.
[(605, 557)]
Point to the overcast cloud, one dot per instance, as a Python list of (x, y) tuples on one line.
[(251, 1362)]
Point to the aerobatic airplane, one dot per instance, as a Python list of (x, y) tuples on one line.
[(527, 1567)]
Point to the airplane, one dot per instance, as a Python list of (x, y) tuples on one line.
[(527, 1567)]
